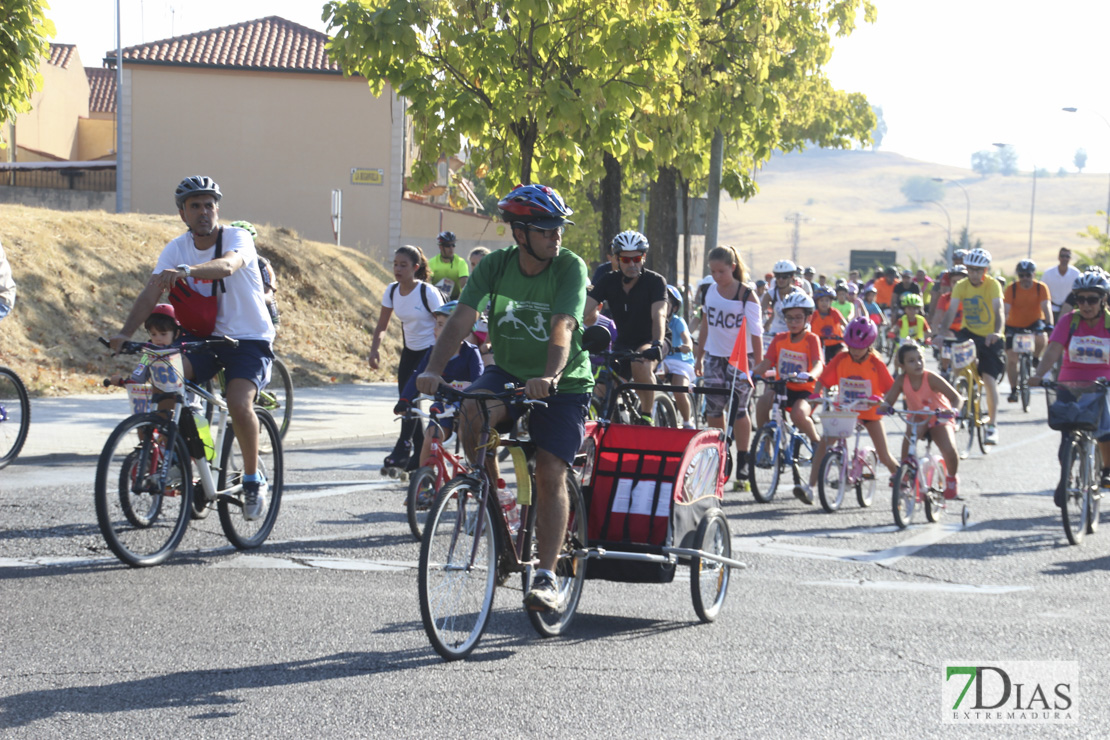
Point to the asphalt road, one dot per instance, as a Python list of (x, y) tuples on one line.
[(841, 627)]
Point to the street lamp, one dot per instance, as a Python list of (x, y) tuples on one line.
[(967, 217), (1074, 110), (915, 249), (1032, 204), (948, 245)]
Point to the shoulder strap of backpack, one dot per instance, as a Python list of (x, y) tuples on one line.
[(392, 292), (219, 253), (424, 296)]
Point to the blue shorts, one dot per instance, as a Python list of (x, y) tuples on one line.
[(252, 360), (557, 428)]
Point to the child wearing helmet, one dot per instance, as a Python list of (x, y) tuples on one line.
[(827, 322), (845, 300), (781, 287), (927, 391), (164, 332), (858, 375), (677, 368), (912, 325), (795, 352), (461, 370)]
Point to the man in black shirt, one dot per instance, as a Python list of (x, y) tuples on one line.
[(907, 285), (637, 300)]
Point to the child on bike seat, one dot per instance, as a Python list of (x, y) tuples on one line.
[(827, 322), (926, 391), (678, 367), (858, 374), (912, 324), (164, 332), (797, 352), (461, 371)]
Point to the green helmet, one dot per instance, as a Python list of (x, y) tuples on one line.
[(248, 226), (912, 299)]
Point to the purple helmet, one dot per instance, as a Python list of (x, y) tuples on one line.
[(860, 332), (536, 205)]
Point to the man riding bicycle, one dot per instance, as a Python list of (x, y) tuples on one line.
[(447, 267), (537, 294), (209, 259), (1028, 309), (637, 300), (984, 316)]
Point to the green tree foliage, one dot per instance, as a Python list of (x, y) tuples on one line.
[(1062, 172), (879, 131), (918, 188), (25, 34), (985, 162), (1080, 159), (1007, 160)]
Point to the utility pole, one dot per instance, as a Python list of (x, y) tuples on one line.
[(797, 218)]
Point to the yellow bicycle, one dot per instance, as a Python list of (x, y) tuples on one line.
[(973, 416)]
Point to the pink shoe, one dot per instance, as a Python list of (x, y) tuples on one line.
[(951, 488)]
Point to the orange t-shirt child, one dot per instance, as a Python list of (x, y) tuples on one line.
[(791, 357), (857, 381), (943, 302), (829, 327)]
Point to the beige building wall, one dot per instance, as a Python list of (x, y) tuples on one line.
[(51, 124), (96, 139), (277, 144)]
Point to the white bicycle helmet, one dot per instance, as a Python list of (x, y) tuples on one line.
[(959, 254), (1093, 279), (798, 299), (1027, 266), (784, 267), (629, 241), (978, 258)]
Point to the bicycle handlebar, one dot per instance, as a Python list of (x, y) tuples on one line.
[(134, 348), (511, 394)]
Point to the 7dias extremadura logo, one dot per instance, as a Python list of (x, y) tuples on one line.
[(1009, 692)]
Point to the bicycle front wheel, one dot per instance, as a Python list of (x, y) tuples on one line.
[(421, 495), (664, 413), (143, 489), (240, 532), (1077, 483), (15, 416), (277, 397), (765, 464), (981, 418), (1024, 371), (570, 570), (904, 498), (457, 570), (831, 479), (868, 461)]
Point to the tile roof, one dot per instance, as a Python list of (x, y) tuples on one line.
[(102, 89), (270, 43), (61, 54)]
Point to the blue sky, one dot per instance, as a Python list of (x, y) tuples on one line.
[(952, 76)]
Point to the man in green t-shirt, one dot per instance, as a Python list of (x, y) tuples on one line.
[(537, 295), (446, 266), (980, 297)]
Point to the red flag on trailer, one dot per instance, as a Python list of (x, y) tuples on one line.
[(739, 357)]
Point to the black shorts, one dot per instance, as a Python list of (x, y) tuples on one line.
[(1037, 327), (831, 351), (992, 361)]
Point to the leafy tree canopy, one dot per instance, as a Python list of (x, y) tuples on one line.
[(25, 34), (919, 188), (1080, 159), (985, 162)]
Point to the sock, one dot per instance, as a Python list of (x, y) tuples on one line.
[(252, 477), (548, 573), (741, 458)]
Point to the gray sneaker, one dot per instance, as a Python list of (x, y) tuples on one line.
[(254, 499), (543, 596), (804, 493)]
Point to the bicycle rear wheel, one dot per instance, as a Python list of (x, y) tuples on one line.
[(15, 416), (277, 397), (1024, 371), (981, 418), (456, 593), (1077, 482), (709, 578), (421, 496), (664, 413), (765, 464), (904, 499), (831, 480), (241, 533), (570, 571), (143, 489)]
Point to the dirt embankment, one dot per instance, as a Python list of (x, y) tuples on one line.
[(78, 274)]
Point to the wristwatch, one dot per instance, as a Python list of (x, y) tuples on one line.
[(185, 269)]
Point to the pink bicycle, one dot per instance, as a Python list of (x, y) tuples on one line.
[(425, 482)]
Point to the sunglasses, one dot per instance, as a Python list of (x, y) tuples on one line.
[(976, 269), (549, 233), (1088, 300), (633, 260), (1025, 274)]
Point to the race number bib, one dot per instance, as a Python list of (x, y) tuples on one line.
[(792, 363), (1023, 343), (1089, 350), (852, 390), (963, 354)]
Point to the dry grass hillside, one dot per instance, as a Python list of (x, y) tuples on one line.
[(79, 272)]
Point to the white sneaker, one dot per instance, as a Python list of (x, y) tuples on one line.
[(254, 499), (687, 425), (804, 493), (991, 435)]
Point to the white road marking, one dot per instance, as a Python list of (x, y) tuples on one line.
[(960, 588), (265, 562), (927, 536)]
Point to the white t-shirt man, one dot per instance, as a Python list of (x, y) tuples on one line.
[(417, 322), (1059, 285), (241, 310)]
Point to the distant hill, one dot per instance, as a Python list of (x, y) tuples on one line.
[(852, 200)]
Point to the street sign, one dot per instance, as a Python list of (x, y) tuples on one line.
[(869, 259), (366, 176)]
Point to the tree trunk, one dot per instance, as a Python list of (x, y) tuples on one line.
[(611, 187), (662, 224), (526, 132)]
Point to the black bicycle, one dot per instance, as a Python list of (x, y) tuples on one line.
[(15, 416)]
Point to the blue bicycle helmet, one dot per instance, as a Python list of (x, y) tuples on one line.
[(676, 297), (535, 205), (446, 309), (822, 291)]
